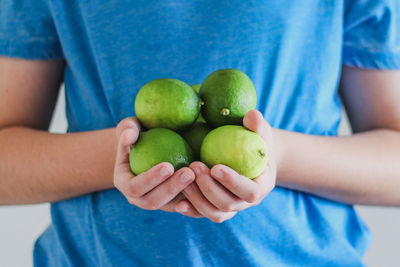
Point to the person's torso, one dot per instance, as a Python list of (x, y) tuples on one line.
[(292, 52)]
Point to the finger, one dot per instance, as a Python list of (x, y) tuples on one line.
[(255, 122), (165, 192), (127, 132), (203, 206), (217, 194), (130, 122), (249, 190), (136, 187), (127, 138), (171, 206), (122, 170), (184, 207)]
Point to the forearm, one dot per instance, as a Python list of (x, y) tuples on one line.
[(359, 169), (36, 166)]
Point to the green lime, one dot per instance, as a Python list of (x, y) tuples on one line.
[(196, 87), (167, 103), (228, 94), (236, 147), (195, 135), (159, 145)]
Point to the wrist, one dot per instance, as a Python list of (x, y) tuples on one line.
[(278, 149)]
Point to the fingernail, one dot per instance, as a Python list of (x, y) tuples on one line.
[(185, 177), (164, 171), (188, 190), (218, 174), (183, 208), (197, 171)]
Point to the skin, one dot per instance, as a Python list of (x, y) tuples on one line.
[(360, 169), (36, 166), (159, 187)]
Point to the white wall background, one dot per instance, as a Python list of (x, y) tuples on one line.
[(21, 225)]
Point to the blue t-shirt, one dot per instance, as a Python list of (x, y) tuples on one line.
[(292, 50)]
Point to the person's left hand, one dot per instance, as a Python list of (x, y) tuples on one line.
[(220, 193)]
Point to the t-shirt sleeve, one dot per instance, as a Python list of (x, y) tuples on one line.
[(372, 34), (27, 30)]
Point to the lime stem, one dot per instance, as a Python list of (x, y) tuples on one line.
[(225, 112), (262, 153)]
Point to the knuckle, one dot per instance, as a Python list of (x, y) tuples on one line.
[(153, 180), (253, 197), (233, 183), (133, 192), (226, 207), (123, 123), (235, 186), (171, 190)]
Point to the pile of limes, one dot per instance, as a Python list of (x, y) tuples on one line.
[(199, 122)]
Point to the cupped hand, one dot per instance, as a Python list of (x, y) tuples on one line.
[(156, 189), (220, 193)]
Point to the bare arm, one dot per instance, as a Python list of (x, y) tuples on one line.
[(360, 169), (36, 166)]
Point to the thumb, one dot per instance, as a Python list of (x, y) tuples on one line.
[(127, 133), (255, 122), (130, 122)]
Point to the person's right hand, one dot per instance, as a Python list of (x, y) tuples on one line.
[(158, 188)]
